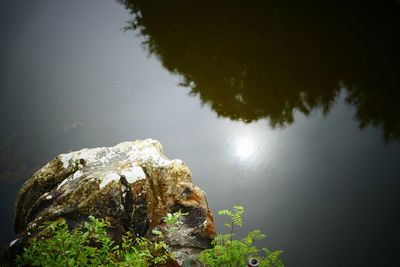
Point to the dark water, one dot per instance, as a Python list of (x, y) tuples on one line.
[(289, 108)]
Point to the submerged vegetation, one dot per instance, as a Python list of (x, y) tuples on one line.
[(91, 246)]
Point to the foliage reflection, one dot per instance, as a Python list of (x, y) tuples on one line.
[(265, 59)]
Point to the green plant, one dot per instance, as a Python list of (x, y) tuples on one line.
[(174, 217), (172, 220), (228, 251), (56, 246), (91, 246), (141, 252)]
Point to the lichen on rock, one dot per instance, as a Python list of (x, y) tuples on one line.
[(132, 185)]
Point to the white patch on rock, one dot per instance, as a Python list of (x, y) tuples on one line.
[(89, 155), (13, 242), (65, 158), (137, 153), (108, 179), (49, 197), (77, 174), (70, 178), (148, 150), (133, 174), (62, 183), (177, 161)]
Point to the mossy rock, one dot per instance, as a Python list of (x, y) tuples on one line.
[(132, 185)]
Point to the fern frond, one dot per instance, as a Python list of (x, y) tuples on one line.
[(228, 251), (225, 212)]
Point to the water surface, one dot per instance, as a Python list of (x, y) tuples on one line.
[(289, 109)]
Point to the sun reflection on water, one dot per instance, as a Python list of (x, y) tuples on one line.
[(250, 147), (244, 148)]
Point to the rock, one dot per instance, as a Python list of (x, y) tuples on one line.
[(132, 185)]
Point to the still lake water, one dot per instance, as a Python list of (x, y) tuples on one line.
[(289, 109)]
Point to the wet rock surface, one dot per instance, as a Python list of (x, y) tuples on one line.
[(132, 185)]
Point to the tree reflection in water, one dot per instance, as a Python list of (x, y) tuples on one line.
[(265, 59)]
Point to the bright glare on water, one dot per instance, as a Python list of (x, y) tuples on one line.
[(244, 147)]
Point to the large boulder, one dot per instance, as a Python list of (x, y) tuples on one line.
[(132, 185)]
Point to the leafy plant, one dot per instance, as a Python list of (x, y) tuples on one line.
[(228, 251), (174, 217), (57, 246), (172, 220), (91, 246), (141, 252)]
